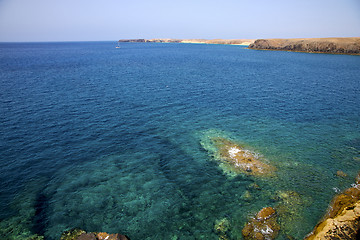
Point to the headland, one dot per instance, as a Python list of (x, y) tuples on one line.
[(350, 45)]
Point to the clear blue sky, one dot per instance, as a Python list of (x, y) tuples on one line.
[(92, 20)]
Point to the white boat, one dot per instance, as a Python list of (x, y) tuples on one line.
[(118, 46)]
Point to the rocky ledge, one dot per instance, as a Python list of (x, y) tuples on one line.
[(313, 45), (342, 220)]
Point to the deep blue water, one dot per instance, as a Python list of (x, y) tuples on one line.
[(108, 139)]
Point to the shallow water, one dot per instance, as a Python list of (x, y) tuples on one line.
[(108, 139)]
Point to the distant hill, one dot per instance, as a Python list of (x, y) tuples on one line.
[(349, 45)]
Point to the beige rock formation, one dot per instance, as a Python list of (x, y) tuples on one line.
[(342, 220)]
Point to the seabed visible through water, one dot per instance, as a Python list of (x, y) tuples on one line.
[(141, 141)]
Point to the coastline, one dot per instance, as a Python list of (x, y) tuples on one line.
[(241, 42), (343, 46), (313, 52)]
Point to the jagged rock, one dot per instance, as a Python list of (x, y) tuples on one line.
[(342, 220), (263, 226)]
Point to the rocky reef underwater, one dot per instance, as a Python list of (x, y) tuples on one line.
[(235, 159), (341, 221)]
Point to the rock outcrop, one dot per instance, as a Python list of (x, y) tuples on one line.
[(342, 220), (78, 234), (263, 226), (313, 45)]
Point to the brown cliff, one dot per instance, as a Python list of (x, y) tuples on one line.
[(313, 45), (342, 221)]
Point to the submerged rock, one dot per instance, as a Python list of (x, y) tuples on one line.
[(253, 186), (22, 225), (263, 226), (72, 234), (107, 236), (235, 159), (289, 207), (222, 227), (342, 220), (246, 196), (78, 234), (341, 174)]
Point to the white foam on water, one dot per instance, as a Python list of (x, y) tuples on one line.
[(233, 151)]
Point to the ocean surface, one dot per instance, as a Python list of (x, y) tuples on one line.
[(108, 139)]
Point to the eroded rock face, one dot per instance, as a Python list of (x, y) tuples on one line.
[(263, 227), (342, 221), (235, 159)]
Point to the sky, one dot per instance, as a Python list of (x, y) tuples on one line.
[(102, 20)]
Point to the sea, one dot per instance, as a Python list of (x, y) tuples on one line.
[(109, 139)]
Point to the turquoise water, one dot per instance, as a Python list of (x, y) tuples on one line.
[(108, 139)]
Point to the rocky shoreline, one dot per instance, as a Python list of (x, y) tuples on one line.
[(342, 220), (349, 45)]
